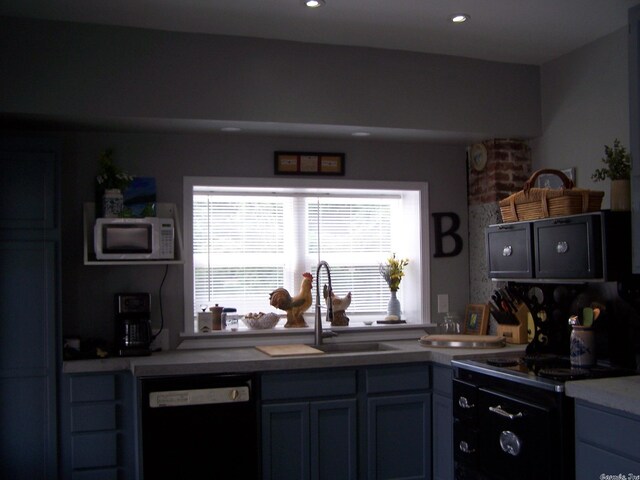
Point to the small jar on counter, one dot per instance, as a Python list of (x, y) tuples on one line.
[(230, 319)]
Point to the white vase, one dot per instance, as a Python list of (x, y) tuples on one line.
[(393, 307), (620, 195), (112, 203)]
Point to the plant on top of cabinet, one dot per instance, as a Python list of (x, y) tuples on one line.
[(618, 169), (110, 182)]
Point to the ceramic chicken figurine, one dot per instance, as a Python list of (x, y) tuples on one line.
[(338, 319), (296, 306)]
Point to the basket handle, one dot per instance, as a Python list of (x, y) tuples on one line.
[(566, 181)]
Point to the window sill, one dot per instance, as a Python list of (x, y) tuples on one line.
[(244, 337)]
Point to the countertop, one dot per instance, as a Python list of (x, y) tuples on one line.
[(249, 359), (619, 393)]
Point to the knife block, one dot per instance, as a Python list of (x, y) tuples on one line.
[(516, 334)]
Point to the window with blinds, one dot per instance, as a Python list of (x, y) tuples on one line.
[(246, 242)]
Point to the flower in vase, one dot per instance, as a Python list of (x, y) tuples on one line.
[(393, 271), (111, 176)]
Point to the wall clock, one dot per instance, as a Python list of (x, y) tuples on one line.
[(478, 157)]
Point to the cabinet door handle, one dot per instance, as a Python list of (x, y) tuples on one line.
[(465, 448), (464, 403), (500, 411), (562, 247), (507, 251)]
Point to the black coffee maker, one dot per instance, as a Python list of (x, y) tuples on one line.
[(133, 324)]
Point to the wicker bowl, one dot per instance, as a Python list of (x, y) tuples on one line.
[(261, 321)]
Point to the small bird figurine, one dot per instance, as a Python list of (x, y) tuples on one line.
[(339, 305), (296, 306)]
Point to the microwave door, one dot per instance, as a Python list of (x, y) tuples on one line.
[(127, 239)]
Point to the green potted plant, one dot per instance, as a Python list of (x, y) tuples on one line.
[(110, 182), (618, 170)]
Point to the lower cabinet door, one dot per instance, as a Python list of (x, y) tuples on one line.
[(442, 438), (399, 436), (310, 440)]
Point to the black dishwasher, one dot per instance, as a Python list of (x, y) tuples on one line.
[(199, 426)]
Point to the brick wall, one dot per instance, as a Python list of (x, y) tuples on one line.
[(508, 167)]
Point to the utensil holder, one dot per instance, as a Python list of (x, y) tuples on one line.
[(582, 346)]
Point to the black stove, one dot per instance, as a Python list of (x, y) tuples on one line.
[(546, 371)]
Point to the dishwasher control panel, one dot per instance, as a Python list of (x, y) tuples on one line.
[(201, 396)]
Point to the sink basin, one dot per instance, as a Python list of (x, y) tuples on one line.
[(353, 347)]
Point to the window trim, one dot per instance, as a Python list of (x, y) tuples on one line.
[(189, 182)]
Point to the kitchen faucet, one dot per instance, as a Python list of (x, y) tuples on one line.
[(319, 334)]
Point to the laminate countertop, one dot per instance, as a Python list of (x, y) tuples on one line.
[(250, 359), (619, 393)]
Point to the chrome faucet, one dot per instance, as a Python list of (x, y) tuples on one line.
[(319, 334)]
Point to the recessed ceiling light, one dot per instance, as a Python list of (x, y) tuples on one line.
[(360, 134), (459, 18), (314, 3)]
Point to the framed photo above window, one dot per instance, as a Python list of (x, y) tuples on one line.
[(308, 163)]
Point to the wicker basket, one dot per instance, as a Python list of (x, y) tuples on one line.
[(534, 203)]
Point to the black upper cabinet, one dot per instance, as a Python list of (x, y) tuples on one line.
[(509, 250), (589, 247)]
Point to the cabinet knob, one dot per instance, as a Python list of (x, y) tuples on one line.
[(562, 247), (510, 443), (465, 448), (507, 251)]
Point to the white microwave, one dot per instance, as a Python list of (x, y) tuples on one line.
[(148, 238)]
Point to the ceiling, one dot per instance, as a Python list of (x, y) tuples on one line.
[(518, 31)]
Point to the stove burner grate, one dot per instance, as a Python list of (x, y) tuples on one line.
[(502, 361)]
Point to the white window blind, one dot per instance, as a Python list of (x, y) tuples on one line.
[(246, 246)]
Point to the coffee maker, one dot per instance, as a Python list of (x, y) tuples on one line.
[(133, 324)]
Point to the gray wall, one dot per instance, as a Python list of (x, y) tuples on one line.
[(585, 105), (90, 71), (88, 290)]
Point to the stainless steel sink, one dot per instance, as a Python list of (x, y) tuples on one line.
[(355, 347)]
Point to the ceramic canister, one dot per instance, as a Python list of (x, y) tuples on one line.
[(582, 346)]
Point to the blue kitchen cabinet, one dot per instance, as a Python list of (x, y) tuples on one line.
[(309, 425), (370, 422), (98, 426), (607, 442), (442, 419), (29, 308), (397, 431)]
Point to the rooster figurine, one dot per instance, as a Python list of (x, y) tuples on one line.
[(338, 319), (296, 306)]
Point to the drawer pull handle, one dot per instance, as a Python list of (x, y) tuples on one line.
[(500, 411), (507, 251), (465, 448), (562, 247), (510, 443), (464, 403)]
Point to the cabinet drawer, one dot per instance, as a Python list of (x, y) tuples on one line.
[(568, 247), (90, 417), (291, 385), (465, 400), (617, 433), (92, 388), (397, 378), (509, 252)]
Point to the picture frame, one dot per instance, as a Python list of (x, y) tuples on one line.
[(548, 180), (476, 319), (309, 163)]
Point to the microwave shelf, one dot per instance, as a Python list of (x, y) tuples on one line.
[(164, 210)]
